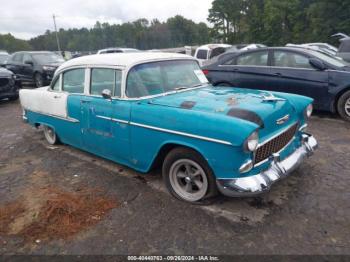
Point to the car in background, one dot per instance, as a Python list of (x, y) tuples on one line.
[(147, 110), (117, 50), (207, 52), (34, 67), (3, 58), (286, 69), (320, 47), (8, 85), (344, 49)]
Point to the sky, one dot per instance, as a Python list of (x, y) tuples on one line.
[(29, 18)]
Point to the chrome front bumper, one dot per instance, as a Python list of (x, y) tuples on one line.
[(260, 183)]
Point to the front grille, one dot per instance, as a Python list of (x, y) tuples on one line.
[(275, 145)]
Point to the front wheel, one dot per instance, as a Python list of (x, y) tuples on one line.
[(188, 177), (50, 135), (344, 106)]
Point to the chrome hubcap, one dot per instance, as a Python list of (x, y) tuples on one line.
[(188, 180), (49, 135), (347, 107)]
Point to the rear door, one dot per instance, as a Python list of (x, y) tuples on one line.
[(27, 66), (15, 65), (294, 74), (251, 70)]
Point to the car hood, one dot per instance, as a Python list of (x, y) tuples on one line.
[(245, 104), (53, 64)]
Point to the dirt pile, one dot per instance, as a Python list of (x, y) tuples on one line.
[(52, 213)]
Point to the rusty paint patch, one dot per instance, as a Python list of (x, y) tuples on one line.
[(246, 115), (188, 104), (232, 101)]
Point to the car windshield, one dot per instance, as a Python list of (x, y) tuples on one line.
[(329, 59), (161, 77), (48, 58), (3, 58)]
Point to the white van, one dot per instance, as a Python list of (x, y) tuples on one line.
[(207, 52)]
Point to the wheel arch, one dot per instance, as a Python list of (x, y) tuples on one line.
[(337, 97), (166, 148)]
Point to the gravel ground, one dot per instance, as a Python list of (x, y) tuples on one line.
[(308, 213)]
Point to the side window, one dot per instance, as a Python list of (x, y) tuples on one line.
[(290, 59), (26, 57), (202, 54), (103, 78), (73, 81), (17, 58), (56, 85), (253, 59)]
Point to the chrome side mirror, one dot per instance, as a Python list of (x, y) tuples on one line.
[(106, 94)]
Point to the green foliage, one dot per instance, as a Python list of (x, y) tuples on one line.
[(10, 43), (278, 22), (141, 34)]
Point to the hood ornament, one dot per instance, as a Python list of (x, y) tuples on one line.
[(282, 120), (269, 97)]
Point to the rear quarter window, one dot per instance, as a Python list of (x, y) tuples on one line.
[(202, 54), (344, 46)]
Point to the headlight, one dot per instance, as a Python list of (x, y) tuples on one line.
[(252, 142), (308, 111), (49, 68)]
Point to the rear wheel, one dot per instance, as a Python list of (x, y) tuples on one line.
[(344, 106), (188, 177), (50, 135)]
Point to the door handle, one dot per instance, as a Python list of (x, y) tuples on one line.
[(56, 97), (278, 74), (85, 101)]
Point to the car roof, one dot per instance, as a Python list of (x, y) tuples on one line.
[(122, 59), (34, 52), (212, 46)]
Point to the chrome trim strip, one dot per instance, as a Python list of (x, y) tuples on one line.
[(69, 119), (113, 119), (303, 127), (182, 134), (262, 182)]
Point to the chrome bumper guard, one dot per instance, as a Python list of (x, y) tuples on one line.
[(260, 183)]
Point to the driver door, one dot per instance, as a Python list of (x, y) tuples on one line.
[(99, 127), (294, 74)]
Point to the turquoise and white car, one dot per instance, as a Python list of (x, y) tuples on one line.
[(146, 110)]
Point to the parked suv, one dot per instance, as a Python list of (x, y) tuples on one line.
[(34, 67), (8, 85), (285, 69)]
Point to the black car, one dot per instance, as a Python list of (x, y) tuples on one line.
[(34, 67), (3, 58), (290, 70), (8, 85)]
